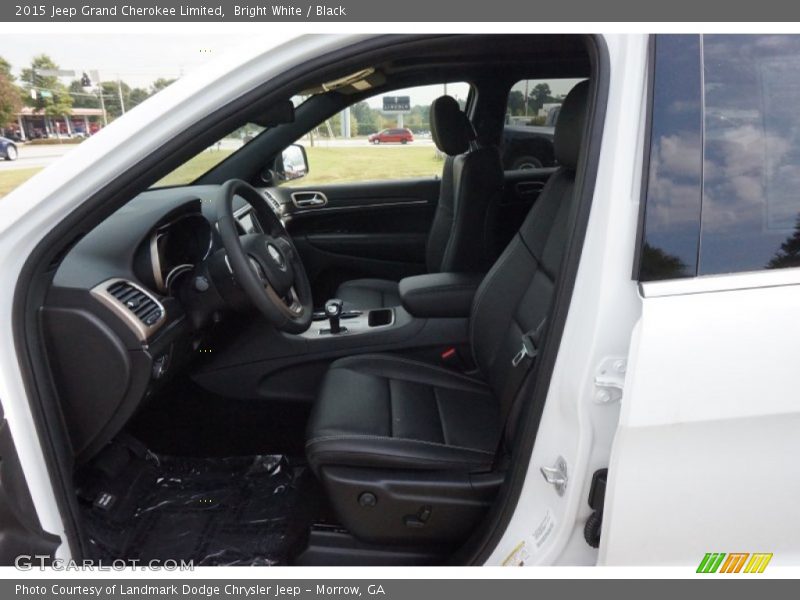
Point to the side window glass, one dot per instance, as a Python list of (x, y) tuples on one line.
[(531, 113), (751, 175), (673, 194), (386, 137)]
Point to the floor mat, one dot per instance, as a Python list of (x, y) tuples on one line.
[(212, 511)]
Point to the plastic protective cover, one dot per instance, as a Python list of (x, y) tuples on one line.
[(211, 511)]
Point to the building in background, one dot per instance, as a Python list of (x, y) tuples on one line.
[(32, 124)]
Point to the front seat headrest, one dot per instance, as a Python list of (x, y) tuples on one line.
[(569, 126), (451, 130)]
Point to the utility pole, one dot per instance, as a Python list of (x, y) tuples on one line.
[(526, 97), (102, 104), (88, 78), (119, 90)]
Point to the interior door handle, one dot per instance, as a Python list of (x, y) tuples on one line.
[(309, 199)]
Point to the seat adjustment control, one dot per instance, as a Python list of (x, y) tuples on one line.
[(418, 520)]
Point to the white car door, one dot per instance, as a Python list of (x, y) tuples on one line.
[(705, 459)]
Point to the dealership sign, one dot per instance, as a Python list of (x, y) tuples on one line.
[(396, 104)]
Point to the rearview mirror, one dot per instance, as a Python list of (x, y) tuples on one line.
[(291, 164)]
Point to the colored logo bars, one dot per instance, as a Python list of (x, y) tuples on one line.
[(735, 562)]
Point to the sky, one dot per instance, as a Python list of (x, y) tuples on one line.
[(137, 59), (140, 59)]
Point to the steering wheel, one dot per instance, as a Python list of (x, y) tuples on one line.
[(266, 265)]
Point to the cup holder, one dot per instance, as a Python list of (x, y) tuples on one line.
[(380, 317)]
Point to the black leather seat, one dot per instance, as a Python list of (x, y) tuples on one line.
[(402, 414), (472, 180), (417, 436)]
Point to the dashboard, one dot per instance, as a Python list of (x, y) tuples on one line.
[(116, 321), (176, 247)]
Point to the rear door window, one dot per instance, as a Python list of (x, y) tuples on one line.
[(531, 113), (751, 168), (674, 189), (723, 190)]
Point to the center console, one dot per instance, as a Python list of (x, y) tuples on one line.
[(333, 321), (431, 324)]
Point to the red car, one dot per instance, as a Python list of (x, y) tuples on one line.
[(392, 135)]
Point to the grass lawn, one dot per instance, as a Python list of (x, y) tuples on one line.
[(326, 165), (11, 179), (191, 170), (334, 165), (340, 165)]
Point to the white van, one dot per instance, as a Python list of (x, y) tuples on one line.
[(407, 354)]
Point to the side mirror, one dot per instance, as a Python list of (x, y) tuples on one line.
[(291, 164)]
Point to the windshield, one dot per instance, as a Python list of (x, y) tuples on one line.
[(211, 156)]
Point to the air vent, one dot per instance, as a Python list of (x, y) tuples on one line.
[(273, 202), (143, 306), (139, 309)]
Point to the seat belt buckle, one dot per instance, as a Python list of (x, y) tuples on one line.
[(528, 350)]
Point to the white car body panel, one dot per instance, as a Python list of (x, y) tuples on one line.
[(705, 458)]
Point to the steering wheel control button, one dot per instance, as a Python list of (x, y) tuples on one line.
[(367, 500), (201, 284)]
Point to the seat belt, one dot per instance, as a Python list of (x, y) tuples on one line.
[(521, 365)]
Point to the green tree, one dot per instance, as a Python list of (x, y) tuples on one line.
[(159, 84), (5, 69), (82, 98), (539, 96), (419, 118), (657, 264), (111, 94), (10, 100), (52, 97), (516, 103), (789, 253), (137, 96), (368, 119)]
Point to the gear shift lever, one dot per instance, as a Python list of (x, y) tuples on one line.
[(333, 310)]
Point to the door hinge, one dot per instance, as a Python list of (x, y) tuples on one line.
[(609, 380)]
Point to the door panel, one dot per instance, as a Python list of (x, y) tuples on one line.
[(370, 229), (705, 457)]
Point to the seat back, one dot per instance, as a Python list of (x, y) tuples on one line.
[(472, 180), (516, 294)]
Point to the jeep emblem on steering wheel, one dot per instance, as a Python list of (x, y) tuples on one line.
[(276, 256)]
